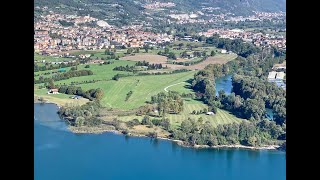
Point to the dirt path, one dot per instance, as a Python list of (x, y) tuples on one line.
[(165, 89)]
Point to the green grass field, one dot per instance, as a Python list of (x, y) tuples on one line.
[(143, 88), (103, 72), (221, 117), (38, 57), (60, 99)]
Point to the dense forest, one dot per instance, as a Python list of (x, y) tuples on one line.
[(251, 95), (199, 132), (85, 115), (237, 45)]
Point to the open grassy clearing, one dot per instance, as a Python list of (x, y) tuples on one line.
[(60, 99), (217, 59), (143, 129), (143, 88)]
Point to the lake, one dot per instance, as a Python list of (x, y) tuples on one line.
[(62, 155)]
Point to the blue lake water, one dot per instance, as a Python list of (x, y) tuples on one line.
[(62, 155)]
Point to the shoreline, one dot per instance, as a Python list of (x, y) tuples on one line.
[(94, 130), (111, 129)]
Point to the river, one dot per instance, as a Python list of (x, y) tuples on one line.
[(62, 155), (225, 83)]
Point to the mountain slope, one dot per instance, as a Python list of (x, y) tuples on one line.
[(125, 10)]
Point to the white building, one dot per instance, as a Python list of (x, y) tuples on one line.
[(272, 75)]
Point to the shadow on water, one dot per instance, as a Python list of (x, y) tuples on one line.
[(174, 147), (155, 142), (253, 154), (126, 138)]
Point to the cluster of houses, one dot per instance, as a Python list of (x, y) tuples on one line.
[(157, 5), (258, 39), (51, 37)]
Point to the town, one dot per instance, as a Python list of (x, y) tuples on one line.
[(55, 33)]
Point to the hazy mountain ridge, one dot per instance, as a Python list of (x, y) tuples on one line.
[(128, 10)]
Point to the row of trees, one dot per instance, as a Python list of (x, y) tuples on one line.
[(150, 66), (63, 76), (92, 94), (124, 68), (37, 68), (185, 54)]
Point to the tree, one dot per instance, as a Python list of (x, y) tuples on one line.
[(146, 48), (87, 66), (98, 94), (146, 121), (171, 55), (51, 84), (129, 51), (186, 126), (166, 50), (79, 121), (180, 45), (213, 53), (107, 52), (202, 38)]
